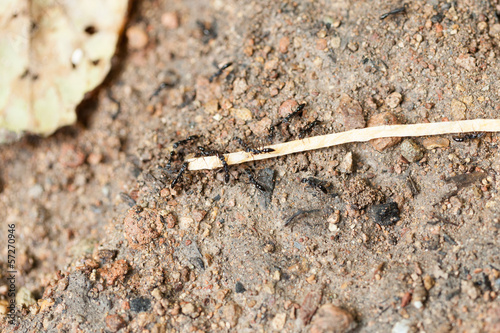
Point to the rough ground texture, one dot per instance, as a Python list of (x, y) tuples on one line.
[(104, 243)]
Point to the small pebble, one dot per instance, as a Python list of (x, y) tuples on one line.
[(279, 321), (188, 309), (393, 100), (137, 37), (385, 118), (115, 322), (466, 61), (321, 44), (243, 114), (351, 112), (458, 110), (332, 319), (335, 42), (346, 166), (239, 288), (385, 214), (436, 142), (411, 151), (353, 46), (470, 289), (428, 282), (284, 44), (402, 326), (231, 313), (170, 20)]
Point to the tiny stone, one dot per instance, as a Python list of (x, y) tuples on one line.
[(137, 37), (436, 142), (346, 166), (140, 304), (385, 214), (385, 118), (24, 297), (170, 20), (335, 42), (240, 86), (243, 114), (402, 326), (411, 151), (284, 43), (321, 44), (287, 107), (393, 100), (114, 322), (470, 289), (351, 112), (353, 46), (332, 319), (187, 308), (231, 313), (212, 106), (279, 321), (482, 26), (239, 288), (495, 30), (428, 282), (458, 110), (466, 61)]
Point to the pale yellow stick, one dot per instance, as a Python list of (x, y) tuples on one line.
[(357, 135)]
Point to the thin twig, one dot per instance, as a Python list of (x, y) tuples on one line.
[(357, 135)]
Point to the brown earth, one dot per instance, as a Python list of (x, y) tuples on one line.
[(397, 241)]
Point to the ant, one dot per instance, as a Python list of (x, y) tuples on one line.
[(469, 136), (253, 150), (204, 152), (162, 86), (185, 141), (314, 183), (308, 128), (219, 71), (297, 112), (179, 176), (394, 11), (286, 120), (252, 180)]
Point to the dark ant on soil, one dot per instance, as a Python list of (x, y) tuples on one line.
[(297, 112), (252, 180), (219, 72), (393, 12), (204, 152), (308, 128), (285, 120), (468, 136), (253, 150), (209, 30), (185, 141), (118, 105), (179, 176), (298, 213), (222, 158), (315, 183), (157, 91)]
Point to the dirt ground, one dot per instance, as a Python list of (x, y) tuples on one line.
[(404, 238)]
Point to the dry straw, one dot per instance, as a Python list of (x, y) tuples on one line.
[(357, 135)]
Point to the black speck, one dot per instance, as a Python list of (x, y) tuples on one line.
[(140, 304), (438, 18), (385, 214), (217, 197), (239, 288)]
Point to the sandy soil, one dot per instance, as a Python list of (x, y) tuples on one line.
[(389, 235)]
